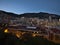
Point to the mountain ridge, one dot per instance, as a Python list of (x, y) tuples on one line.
[(40, 14)]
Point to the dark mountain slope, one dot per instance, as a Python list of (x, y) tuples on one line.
[(39, 15)]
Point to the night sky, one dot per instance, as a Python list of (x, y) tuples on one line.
[(26, 6)]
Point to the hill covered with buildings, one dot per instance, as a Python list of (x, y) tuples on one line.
[(7, 16), (45, 24)]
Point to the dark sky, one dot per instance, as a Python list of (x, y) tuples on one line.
[(24, 6)]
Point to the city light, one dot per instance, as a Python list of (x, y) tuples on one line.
[(33, 35), (18, 35), (6, 31)]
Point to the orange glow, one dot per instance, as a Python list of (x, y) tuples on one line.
[(18, 35), (33, 35), (6, 31)]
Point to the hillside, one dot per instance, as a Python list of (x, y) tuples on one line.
[(39, 15)]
